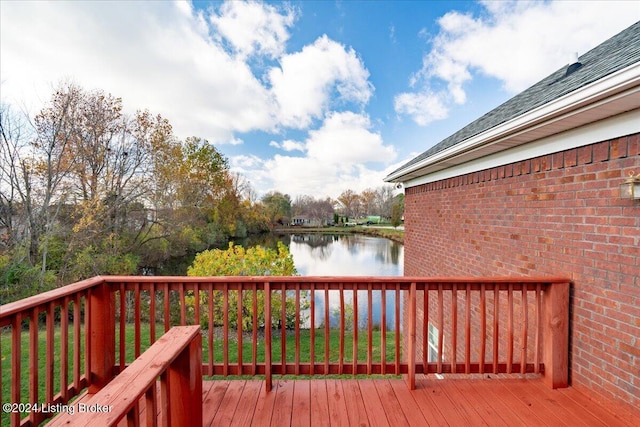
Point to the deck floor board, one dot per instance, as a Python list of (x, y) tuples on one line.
[(388, 402)]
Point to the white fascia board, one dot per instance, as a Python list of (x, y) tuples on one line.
[(613, 127), (603, 88)]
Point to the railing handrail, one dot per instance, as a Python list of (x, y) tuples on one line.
[(96, 306), (335, 279), (31, 302), (26, 304), (176, 354)]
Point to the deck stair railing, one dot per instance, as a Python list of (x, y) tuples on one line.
[(81, 335)]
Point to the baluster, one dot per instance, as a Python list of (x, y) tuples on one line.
[(441, 326), (239, 326), (122, 332), (411, 345), (425, 329), (297, 330), (397, 326), (312, 355), (341, 360), (327, 325), (16, 353), (283, 329), (196, 303), (355, 329), (467, 329), (152, 313), (538, 314), (483, 326), (136, 317), (50, 354), (76, 344), (254, 334), (225, 329), (383, 329), (267, 336), (167, 313), (496, 327), (510, 329), (454, 327), (369, 328), (183, 305), (211, 330), (525, 321), (64, 350)]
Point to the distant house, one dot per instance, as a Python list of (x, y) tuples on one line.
[(532, 188), (306, 221)]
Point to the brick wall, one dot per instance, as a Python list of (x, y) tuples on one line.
[(559, 215)]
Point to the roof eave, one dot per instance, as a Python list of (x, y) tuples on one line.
[(623, 83)]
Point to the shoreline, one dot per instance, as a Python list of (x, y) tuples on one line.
[(387, 233)]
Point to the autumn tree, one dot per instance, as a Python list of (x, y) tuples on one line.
[(397, 210), (319, 210), (351, 202), (367, 200), (277, 207)]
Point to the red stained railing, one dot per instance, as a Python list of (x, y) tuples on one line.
[(482, 324)]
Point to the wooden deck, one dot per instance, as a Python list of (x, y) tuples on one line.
[(388, 402)]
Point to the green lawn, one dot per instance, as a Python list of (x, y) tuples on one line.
[(305, 345)]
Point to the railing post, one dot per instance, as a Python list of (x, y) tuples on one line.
[(411, 344), (185, 379), (555, 324), (267, 335), (102, 341)]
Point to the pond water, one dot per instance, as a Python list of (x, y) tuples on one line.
[(331, 255), (348, 255)]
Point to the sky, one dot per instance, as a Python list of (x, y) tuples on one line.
[(302, 97)]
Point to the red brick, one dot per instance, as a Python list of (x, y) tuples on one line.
[(601, 151), (633, 145), (585, 155), (557, 160), (618, 148), (571, 158), (566, 221)]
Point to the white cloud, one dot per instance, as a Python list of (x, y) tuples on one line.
[(157, 56), (516, 42), (288, 145), (346, 137), (336, 158), (318, 71), (233, 141), (243, 162), (252, 27), (424, 108)]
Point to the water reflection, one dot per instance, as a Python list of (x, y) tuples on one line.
[(348, 255)]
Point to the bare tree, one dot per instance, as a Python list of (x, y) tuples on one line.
[(368, 198), (351, 202), (384, 200), (12, 132)]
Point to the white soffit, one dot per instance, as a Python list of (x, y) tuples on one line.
[(613, 127)]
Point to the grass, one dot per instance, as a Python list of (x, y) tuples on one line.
[(7, 368), (276, 339), (305, 346)]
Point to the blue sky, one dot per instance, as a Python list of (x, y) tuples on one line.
[(304, 97)]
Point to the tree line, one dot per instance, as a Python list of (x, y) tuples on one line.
[(87, 189)]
